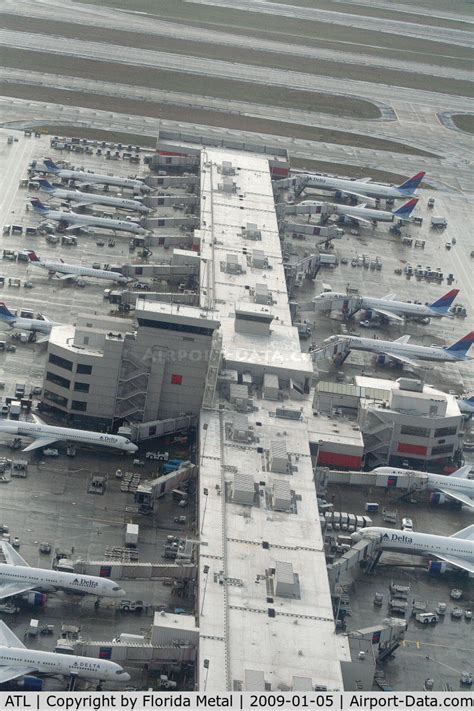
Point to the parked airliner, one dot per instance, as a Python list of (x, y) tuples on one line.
[(84, 199), (82, 178), (75, 221), (73, 271), (388, 307), (466, 405), (17, 661), (44, 435), (36, 325), (364, 188), (361, 213), (402, 351), (17, 576), (455, 486), (456, 550)]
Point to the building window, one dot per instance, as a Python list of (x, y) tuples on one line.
[(415, 431), (84, 369), (81, 387), (58, 380), (176, 379), (61, 362), (79, 405), (445, 431), (57, 399), (445, 449)]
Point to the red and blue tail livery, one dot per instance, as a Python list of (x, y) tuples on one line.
[(405, 210), (443, 304), (461, 348), (410, 185), (38, 206)]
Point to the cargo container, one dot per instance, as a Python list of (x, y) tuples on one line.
[(131, 534)]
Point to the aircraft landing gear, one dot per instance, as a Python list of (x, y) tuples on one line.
[(72, 682), (96, 604)]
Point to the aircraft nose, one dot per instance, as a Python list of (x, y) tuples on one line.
[(356, 536), (125, 676)]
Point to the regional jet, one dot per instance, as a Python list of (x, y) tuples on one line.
[(84, 179), (363, 188), (388, 308), (85, 199), (456, 550), (17, 577), (73, 271), (17, 661), (22, 323), (74, 221)]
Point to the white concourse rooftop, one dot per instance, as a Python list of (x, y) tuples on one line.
[(240, 252), (265, 612)]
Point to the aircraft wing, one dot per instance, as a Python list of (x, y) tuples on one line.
[(9, 638), (43, 339), (459, 497), (85, 185), (403, 359), (83, 204), (11, 589), (457, 562), (358, 218), (467, 534), (9, 673), (41, 442), (62, 277), (387, 314), (11, 556), (388, 297), (76, 226), (358, 195), (402, 339)]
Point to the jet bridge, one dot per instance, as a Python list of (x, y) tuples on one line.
[(336, 348), (361, 552), (147, 493)]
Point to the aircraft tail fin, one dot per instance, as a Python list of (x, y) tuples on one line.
[(410, 185), (461, 348), (443, 304), (462, 473), (5, 313), (45, 185), (38, 206), (51, 165), (406, 209)]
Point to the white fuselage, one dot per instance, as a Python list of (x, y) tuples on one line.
[(399, 308), (54, 663), (425, 544), (44, 580), (435, 482), (80, 271), (29, 324), (363, 213), (97, 199), (101, 179), (73, 218), (66, 434), (370, 189), (374, 345)]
